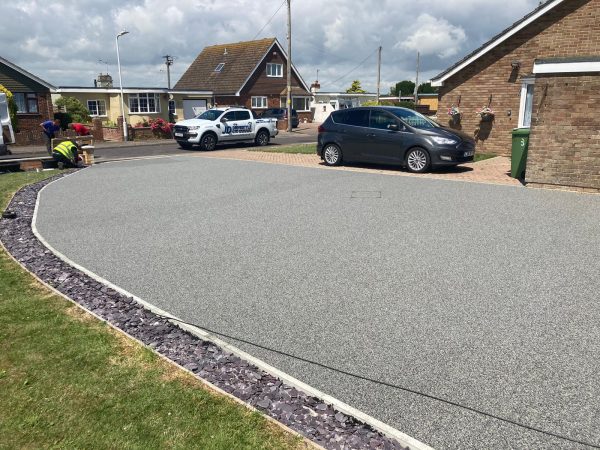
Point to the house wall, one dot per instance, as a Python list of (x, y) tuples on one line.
[(564, 145), (15, 82), (569, 30), (271, 87), (432, 102)]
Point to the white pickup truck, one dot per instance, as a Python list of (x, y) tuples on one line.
[(221, 125)]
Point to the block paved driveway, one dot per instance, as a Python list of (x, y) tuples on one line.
[(481, 295)]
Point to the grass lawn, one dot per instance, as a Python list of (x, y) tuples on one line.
[(70, 381), (482, 156), (306, 149)]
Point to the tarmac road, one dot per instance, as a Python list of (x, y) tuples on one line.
[(480, 295)]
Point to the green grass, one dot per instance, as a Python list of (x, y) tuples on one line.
[(70, 381), (483, 156), (305, 149)]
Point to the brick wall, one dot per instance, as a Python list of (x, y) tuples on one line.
[(29, 124), (564, 146), (570, 29)]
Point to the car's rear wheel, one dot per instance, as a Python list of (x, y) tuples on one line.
[(185, 145), (418, 160), (208, 142), (332, 155), (262, 138)]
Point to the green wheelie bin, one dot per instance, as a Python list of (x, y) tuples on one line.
[(520, 145)]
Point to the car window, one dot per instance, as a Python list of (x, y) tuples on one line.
[(358, 117), (413, 118), (211, 114), (229, 116), (381, 120), (242, 115)]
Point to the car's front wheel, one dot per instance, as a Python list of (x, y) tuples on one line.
[(208, 142), (418, 160), (262, 138), (332, 155)]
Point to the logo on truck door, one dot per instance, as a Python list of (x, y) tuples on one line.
[(238, 129)]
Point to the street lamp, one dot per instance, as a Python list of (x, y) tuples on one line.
[(121, 85)]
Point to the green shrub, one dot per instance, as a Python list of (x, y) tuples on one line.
[(77, 110), (12, 107)]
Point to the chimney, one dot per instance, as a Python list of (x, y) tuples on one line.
[(105, 80)]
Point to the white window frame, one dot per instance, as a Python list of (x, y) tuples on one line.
[(97, 101), (260, 102), (307, 100), (526, 83), (147, 95), (220, 67), (274, 70)]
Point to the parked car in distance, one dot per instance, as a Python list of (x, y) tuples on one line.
[(218, 125), (281, 114), (391, 135)]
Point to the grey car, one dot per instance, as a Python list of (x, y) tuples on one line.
[(391, 135)]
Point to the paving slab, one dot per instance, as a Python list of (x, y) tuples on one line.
[(467, 312)]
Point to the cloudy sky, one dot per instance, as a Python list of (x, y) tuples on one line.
[(69, 42)]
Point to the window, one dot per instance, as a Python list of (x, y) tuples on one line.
[(301, 103), (144, 103), (219, 67), (354, 117), (413, 118), (526, 107), (26, 102), (172, 110), (96, 107), (229, 116), (259, 102), (275, 70), (381, 120), (242, 115)]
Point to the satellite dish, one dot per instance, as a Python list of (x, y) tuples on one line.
[(171, 96)]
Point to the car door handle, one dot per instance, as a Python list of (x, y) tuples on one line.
[(370, 135)]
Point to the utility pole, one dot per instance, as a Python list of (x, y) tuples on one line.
[(169, 63), (417, 79), (289, 64), (379, 75)]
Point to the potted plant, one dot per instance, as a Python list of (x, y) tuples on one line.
[(486, 114), (454, 113)]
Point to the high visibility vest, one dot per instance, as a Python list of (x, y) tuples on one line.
[(68, 149)]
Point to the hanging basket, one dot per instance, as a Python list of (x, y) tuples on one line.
[(487, 117)]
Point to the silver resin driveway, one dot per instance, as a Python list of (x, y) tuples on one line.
[(482, 296)]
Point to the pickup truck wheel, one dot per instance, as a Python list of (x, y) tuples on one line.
[(185, 145), (208, 142), (262, 138)]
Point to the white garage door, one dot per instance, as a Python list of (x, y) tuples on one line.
[(191, 108)]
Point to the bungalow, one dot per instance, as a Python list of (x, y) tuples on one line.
[(141, 103), (31, 94), (541, 73), (250, 74)]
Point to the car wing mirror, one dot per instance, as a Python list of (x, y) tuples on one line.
[(393, 127), (223, 120)]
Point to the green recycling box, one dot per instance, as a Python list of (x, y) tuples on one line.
[(520, 145)]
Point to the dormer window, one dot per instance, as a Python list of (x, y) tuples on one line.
[(219, 67), (275, 70)]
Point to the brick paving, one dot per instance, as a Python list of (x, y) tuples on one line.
[(495, 170)]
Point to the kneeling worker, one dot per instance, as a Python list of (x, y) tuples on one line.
[(65, 154)]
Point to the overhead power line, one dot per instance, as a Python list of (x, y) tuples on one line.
[(269, 21), (359, 65)]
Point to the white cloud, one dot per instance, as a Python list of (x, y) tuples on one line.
[(433, 36), (331, 36)]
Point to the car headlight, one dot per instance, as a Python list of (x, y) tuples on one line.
[(193, 128), (443, 140)]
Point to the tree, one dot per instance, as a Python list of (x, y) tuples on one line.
[(76, 109), (427, 88), (12, 107), (407, 87), (355, 88)]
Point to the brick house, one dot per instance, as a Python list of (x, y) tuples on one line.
[(32, 95), (250, 74), (541, 73)]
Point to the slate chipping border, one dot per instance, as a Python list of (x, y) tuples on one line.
[(305, 414)]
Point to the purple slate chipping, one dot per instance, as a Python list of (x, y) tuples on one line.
[(307, 415)]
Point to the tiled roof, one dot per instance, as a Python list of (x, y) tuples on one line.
[(542, 8), (240, 60)]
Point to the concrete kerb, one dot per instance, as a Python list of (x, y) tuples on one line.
[(207, 384), (387, 430)]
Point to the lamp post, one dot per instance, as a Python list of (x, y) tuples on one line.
[(125, 137)]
